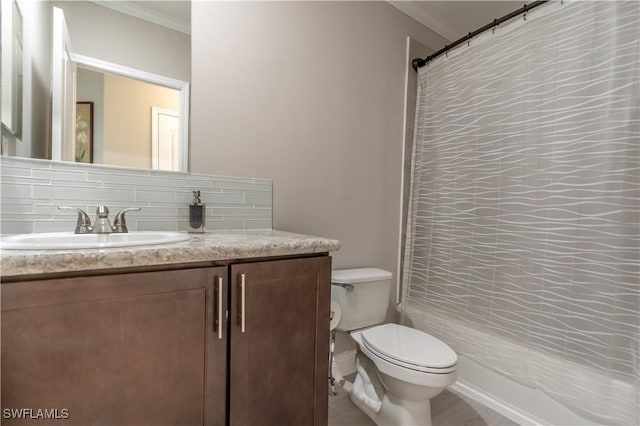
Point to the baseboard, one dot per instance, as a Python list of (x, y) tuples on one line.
[(344, 364)]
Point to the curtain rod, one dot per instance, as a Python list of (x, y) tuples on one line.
[(420, 62)]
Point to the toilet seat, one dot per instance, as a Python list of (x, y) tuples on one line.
[(410, 348)]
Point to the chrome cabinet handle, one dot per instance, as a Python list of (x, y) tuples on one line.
[(219, 308), (242, 303)]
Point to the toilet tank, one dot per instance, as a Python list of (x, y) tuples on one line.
[(363, 296)]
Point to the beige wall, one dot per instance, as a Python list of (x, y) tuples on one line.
[(310, 94), (127, 119)]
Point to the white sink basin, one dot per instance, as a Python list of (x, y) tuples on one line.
[(71, 241)]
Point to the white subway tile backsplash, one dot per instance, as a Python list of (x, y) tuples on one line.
[(256, 224), (158, 225), (211, 199), (15, 190), (31, 189), (159, 196), (74, 193), (243, 185), (127, 179), (18, 208), (49, 209), (23, 179), (74, 176), (79, 183), (16, 227), (155, 212), (18, 217), (199, 180), (241, 212), (225, 225), (54, 225), (258, 199), (14, 171)]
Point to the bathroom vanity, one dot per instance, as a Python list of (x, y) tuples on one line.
[(227, 328)]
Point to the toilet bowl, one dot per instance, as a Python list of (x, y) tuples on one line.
[(399, 369)]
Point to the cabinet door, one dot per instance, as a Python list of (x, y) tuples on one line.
[(279, 360), (130, 349)]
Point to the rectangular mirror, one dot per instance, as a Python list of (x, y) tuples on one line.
[(125, 41)]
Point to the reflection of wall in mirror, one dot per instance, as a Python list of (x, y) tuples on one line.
[(102, 33), (127, 138), (122, 116)]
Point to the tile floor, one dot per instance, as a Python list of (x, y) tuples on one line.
[(447, 409)]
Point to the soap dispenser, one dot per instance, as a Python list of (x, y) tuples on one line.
[(196, 214)]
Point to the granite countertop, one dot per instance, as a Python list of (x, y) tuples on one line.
[(210, 246)]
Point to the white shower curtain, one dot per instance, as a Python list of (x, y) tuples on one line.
[(522, 239)]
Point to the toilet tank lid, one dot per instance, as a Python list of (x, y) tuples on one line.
[(358, 275)]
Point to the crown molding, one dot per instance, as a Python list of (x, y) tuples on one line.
[(430, 19), (138, 10)]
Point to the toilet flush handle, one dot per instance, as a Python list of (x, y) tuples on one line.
[(348, 287)]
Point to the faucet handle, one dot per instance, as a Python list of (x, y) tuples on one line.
[(119, 222), (83, 225), (102, 211)]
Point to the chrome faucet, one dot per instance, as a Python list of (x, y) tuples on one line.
[(119, 222), (83, 225), (102, 224)]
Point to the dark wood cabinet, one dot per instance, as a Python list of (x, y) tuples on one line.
[(168, 348), (279, 342), (127, 349)]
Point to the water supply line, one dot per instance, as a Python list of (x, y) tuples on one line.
[(332, 346)]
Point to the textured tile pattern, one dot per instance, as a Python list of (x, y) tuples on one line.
[(522, 249), (30, 190)]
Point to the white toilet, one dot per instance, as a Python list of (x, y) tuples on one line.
[(399, 369)]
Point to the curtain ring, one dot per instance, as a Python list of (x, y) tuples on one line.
[(469, 40), (524, 13), (495, 24), (446, 51)]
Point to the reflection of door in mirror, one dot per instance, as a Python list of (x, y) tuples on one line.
[(122, 124), (164, 139)]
